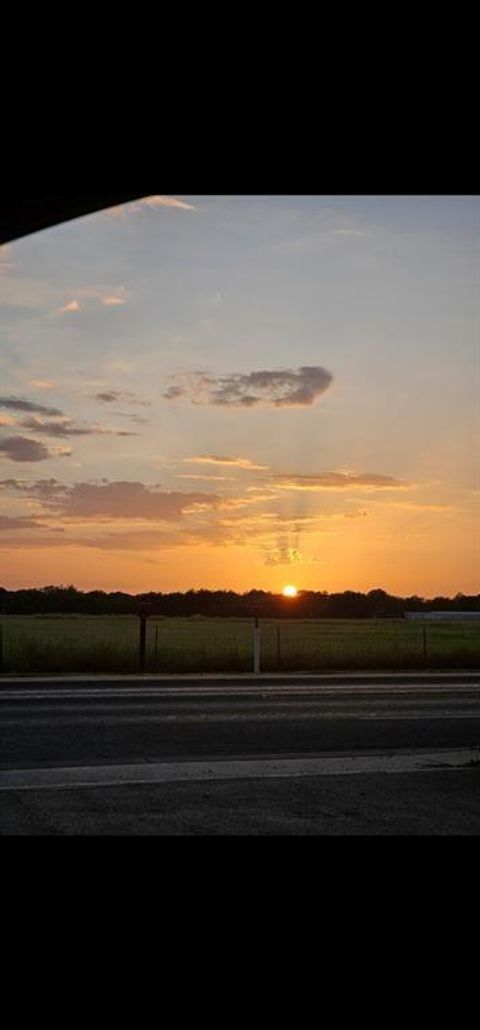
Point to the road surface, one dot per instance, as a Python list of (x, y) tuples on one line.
[(282, 755)]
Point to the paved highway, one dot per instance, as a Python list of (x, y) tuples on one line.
[(147, 746), (95, 722)]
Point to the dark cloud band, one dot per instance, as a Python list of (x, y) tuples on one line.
[(115, 500), (17, 404), (20, 448), (278, 387)]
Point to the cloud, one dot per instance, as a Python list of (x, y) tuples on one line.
[(110, 300), (6, 265), (155, 201), (43, 489), (283, 555), (65, 428), (173, 392), (213, 459), (138, 419), (279, 387), (57, 539), (160, 201), (119, 500), (18, 522), (17, 404), (136, 540), (418, 506), (104, 294), (42, 384), (141, 540), (192, 475), (93, 297), (20, 448), (338, 481), (111, 396)]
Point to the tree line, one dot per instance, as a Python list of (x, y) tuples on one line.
[(309, 604)]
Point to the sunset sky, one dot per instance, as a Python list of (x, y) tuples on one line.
[(243, 392)]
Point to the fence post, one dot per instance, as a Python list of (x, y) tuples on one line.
[(143, 616), (278, 647), (256, 645), (424, 641)]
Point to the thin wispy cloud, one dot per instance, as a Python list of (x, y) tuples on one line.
[(8, 522), (419, 507), (42, 384), (283, 555), (192, 475), (122, 211), (65, 427), (213, 459), (338, 481), (104, 294), (41, 489), (138, 419), (277, 387), (161, 201), (111, 300), (113, 396), (89, 299)]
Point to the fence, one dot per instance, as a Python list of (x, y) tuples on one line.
[(152, 644)]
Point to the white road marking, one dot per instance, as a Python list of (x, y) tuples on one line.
[(234, 769)]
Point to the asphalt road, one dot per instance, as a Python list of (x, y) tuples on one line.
[(311, 755), (90, 722)]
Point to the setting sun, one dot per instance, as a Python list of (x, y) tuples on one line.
[(290, 591)]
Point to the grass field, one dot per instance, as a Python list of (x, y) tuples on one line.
[(78, 644)]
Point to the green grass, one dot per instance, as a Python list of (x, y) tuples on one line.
[(82, 644)]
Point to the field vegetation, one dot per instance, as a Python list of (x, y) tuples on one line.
[(46, 644)]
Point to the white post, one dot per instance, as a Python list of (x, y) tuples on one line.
[(256, 645)]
